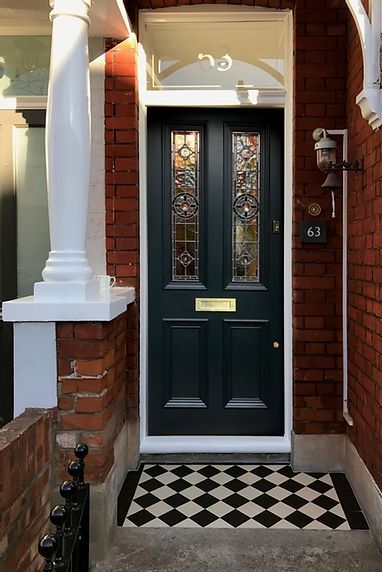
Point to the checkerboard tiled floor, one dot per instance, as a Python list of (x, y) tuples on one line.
[(237, 496)]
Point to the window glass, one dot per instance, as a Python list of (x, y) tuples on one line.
[(206, 55), (24, 65)]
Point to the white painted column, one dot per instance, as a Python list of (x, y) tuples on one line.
[(67, 274)]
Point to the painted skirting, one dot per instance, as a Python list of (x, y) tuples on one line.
[(103, 497), (365, 489), (317, 453)]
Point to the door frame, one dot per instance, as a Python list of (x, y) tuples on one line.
[(218, 444)]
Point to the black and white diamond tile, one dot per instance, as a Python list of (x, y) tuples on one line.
[(238, 496)]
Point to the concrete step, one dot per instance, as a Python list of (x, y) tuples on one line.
[(178, 550)]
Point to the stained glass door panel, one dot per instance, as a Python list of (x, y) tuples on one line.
[(214, 187)]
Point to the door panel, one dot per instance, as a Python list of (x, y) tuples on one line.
[(214, 188)]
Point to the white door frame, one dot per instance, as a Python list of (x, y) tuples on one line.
[(217, 444)]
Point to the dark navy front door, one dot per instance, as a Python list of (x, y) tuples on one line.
[(215, 257)]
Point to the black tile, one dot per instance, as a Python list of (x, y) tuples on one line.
[(331, 520), (155, 470), (299, 519), (151, 485), (316, 475), (357, 521), (176, 500), (207, 485), (263, 485), (235, 518), (344, 492), (141, 517), (208, 471), (265, 501), (267, 518), (146, 500), (319, 486), (179, 485), (291, 486), (203, 518), (172, 517), (286, 471), (235, 485), (262, 471), (235, 471), (205, 500), (294, 501), (127, 493), (235, 500), (182, 471), (325, 502)]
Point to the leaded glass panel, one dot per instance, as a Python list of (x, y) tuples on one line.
[(245, 207), (185, 189)]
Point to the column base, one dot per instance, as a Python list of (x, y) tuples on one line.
[(66, 291)]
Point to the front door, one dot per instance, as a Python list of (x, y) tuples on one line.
[(215, 255)]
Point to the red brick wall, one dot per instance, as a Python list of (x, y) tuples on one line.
[(320, 83), (25, 465), (365, 274), (122, 191), (92, 389)]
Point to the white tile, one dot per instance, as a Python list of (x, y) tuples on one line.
[(312, 510), (332, 494), (190, 508), (219, 523), (279, 493), (194, 478), (281, 509), (304, 479), (160, 508), (220, 492), (316, 525), (163, 492), (133, 508), (326, 479), (167, 478), (308, 494), (191, 493), (220, 509), (187, 523), (276, 478), (338, 510), (251, 524), (343, 526), (249, 478), (285, 524), (250, 493), (221, 478), (251, 509), (156, 523)]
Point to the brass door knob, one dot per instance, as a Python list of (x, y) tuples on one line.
[(276, 345)]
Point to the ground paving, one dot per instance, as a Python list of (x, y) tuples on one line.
[(218, 550)]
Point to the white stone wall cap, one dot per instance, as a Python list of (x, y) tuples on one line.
[(103, 310)]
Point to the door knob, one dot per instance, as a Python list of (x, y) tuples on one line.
[(276, 345)]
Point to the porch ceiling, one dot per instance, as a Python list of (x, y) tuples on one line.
[(31, 17)]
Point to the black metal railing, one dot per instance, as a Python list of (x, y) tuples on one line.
[(67, 549)]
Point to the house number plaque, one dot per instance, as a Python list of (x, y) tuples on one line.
[(215, 304), (313, 231)]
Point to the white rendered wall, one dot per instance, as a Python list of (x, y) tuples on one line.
[(35, 371), (95, 233)]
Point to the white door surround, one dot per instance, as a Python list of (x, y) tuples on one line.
[(205, 98)]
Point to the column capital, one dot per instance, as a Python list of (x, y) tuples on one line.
[(75, 8)]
